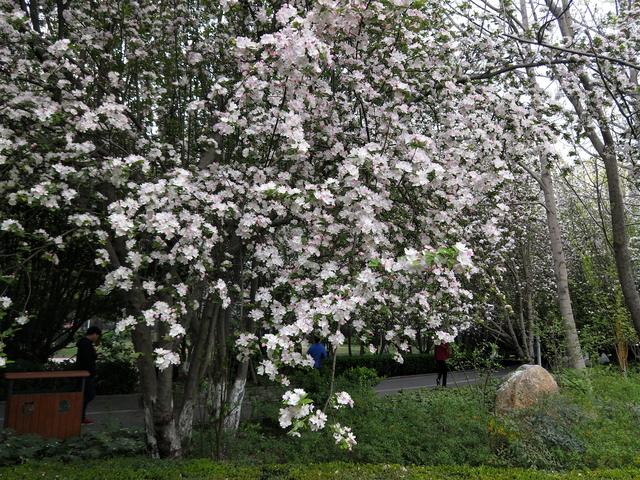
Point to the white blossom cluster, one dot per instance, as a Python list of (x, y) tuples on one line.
[(299, 412)]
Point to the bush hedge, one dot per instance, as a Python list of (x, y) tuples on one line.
[(109, 443), (144, 469), (386, 366)]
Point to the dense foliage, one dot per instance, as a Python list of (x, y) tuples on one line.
[(117, 442)]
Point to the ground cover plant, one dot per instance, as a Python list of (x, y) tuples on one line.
[(592, 423), (116, 442), (137, 469)]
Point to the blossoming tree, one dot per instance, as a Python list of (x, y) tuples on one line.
[(248, 173)]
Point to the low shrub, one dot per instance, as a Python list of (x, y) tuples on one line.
[(609, 422), (418, 363), (544, 436), (362, 376), (15, 449), (386, 366)]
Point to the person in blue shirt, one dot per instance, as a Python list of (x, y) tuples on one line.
[(318, 352)]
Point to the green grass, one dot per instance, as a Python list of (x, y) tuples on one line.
[(424, 428), (355, 349), (66, 352), (138, 469), (593, 423), (609, 407)]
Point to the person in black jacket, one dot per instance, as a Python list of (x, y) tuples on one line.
[(86, 360)]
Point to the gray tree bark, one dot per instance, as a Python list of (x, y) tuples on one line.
[(560, 267), (235, 398), (555, 239), (528, 276)]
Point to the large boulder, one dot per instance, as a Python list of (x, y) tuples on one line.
[(525, 387)]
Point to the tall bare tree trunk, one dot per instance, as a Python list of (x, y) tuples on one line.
[(621, 252), (555, 239), (528, 289), (525, 333), (605, 145), (560, 267), (512, 334)]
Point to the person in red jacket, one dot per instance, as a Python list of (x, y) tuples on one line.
[(442, 354)]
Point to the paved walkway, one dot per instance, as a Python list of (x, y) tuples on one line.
[(414, 382), (116, 411), (125, 410)]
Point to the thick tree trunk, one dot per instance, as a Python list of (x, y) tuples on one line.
[(169, 444), (560, 267), (142, 343), (235, 397), (204, 340), (162, 435), (186, 420), (157, 387), (157, 398)]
